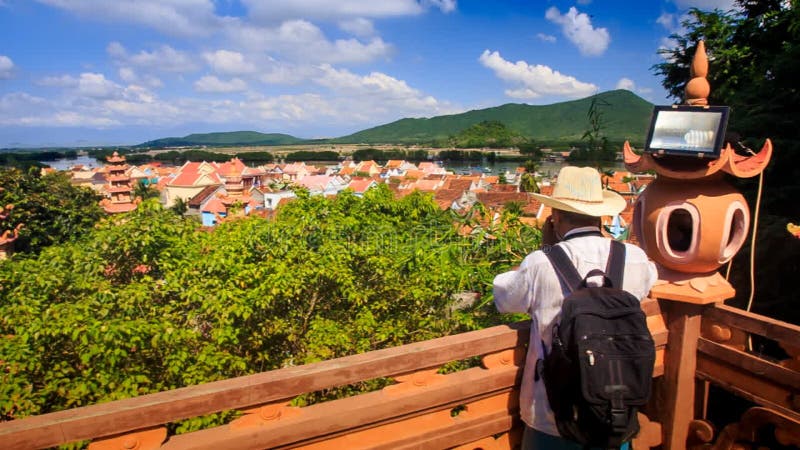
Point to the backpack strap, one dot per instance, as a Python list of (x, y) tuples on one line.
[(564, 268), (615, 267)]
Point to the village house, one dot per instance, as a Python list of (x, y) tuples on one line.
[(188, 181)]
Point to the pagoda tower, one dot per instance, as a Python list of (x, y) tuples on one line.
[(118, 187)]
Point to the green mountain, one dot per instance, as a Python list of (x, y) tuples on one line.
[(232, 138), (624, 114)]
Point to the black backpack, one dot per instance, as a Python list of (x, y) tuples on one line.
[(599, 369)]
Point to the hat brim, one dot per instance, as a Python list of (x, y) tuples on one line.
[(611, 205)]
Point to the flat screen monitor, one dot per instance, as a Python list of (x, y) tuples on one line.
[(695, 131)]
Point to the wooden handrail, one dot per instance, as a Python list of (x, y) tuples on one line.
[(754, 323), (236, 393)]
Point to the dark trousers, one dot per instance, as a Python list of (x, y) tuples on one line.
[(536, 440)]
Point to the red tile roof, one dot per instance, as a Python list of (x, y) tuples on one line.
[(215, 205), (360, 185), (445, 197)]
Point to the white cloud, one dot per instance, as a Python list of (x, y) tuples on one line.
[(164, 58), (277, 72), (22, 109), (130, 76), (705, 5), (174, 17), (6, 67), (304, 41), (546, 37), (626, 83), (667, 20), (534, 80), (280, 10), (577, 27), (445, 6), (228, 62), (359, 27), (630, 85), (96, 85), (210, 83), (88, 84)]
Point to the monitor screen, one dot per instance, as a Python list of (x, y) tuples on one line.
[(696, 131)]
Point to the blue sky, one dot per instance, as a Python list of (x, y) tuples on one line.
[(106, 72)]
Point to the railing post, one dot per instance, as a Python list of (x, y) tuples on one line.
[(683, 306)]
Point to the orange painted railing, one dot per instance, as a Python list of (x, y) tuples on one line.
[(467, 409)]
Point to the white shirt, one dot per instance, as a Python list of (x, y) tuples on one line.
[(534, 289)]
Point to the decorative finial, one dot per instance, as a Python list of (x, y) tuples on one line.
[(697, 89)]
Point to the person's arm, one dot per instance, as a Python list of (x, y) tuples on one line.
[(512, 289)]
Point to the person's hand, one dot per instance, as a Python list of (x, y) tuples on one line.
[(549, 232)]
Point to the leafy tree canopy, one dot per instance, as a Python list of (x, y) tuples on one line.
[(754, 59), (489, 133), (146, 302), (50, 208)]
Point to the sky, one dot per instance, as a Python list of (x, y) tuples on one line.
[(121, 72)]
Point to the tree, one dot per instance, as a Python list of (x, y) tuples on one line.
[(595, 146), (528, 181), (754, 59), (50, 207), (146, 302), (180, 206), (144, 190)]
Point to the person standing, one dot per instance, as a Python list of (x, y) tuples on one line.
[(578, 201)]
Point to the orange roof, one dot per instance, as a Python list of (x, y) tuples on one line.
[(457, 184), (234, 167), (445, 197), (415, 173), (393, 163), (189, 174), (504, 188), (426, 185), (361, 185), (215, 205)]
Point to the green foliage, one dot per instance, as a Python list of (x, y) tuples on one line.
[(180, 206), (374, 154), (144, 190), (233, 138), (146, 302), (180, 157), (595, 145), (489, 133), (27, 159), (626, 118), (461, 155), (50, 208), (754, 58), (306, 155), (255, 157)]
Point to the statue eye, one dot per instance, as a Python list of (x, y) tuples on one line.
[(736, 224), (677, 229)]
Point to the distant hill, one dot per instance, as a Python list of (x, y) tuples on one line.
[(626, 116), (232, 138)]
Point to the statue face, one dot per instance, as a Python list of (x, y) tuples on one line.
[(691, 227)]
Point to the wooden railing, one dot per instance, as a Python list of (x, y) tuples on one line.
[(467, 409)]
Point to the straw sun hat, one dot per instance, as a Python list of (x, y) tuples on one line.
[(579, 190)]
